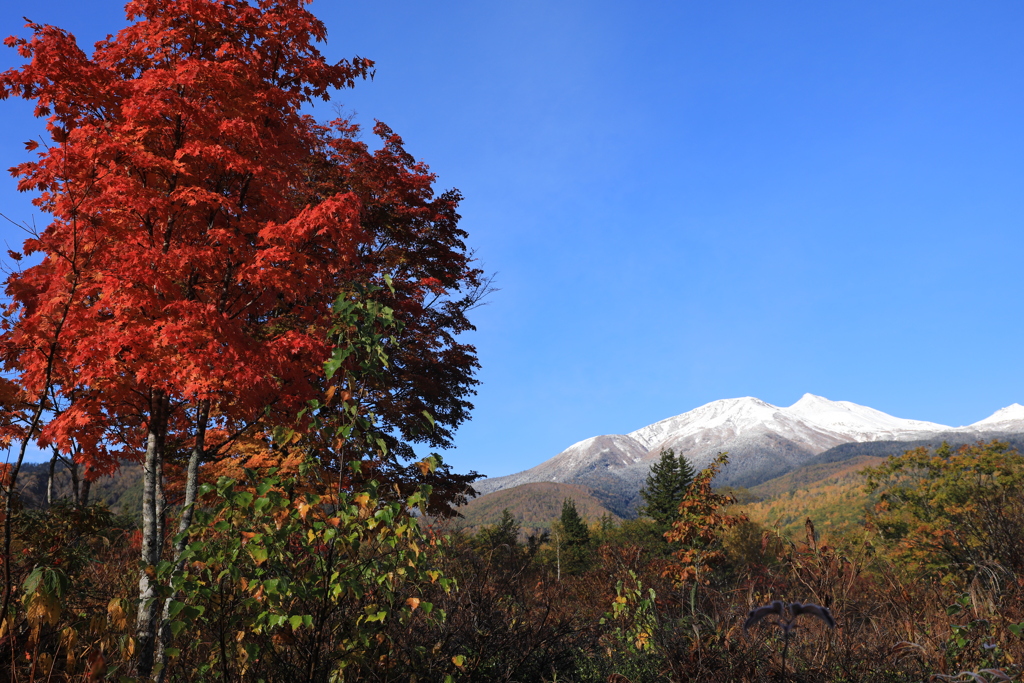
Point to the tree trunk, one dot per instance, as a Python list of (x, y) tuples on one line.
[(145, 627), (161, 504), (11, 492), (86, 486), (49, 477), (181, 541), (76, 485)]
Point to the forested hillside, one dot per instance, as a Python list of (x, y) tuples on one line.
[(534, 507), (121, 491), (831, 495)]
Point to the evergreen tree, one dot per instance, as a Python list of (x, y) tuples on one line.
[(503, 534), (501, 541), (575, 541), (666, 483)]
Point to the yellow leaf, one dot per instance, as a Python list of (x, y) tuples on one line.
[(44, 608), (116, 614), (68, 637), (362, 499), (413, 603)]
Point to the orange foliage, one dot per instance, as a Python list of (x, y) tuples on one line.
[(698, 529)]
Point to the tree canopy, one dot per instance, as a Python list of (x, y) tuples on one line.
[(957, 511), (665, 486), (212, 250), (574, 543)]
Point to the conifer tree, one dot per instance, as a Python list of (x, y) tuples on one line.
[(504, 534), (575, 541), (665, 486)]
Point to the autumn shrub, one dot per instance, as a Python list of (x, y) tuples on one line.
[(958, 513), (72, 567), (514, 625), (281, 584)]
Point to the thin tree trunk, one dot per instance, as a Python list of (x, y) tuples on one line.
[(161, 505), (558, 556), (145, 627), (181, 541), (9, 506), (76, 490), (49, 477)]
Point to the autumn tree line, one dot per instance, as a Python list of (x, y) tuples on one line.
[(261, 310)]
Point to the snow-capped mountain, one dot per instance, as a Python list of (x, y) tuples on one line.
[(1005, 419), (763, 441)]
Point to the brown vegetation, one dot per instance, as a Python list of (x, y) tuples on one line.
[(534, 506), (643, 608)]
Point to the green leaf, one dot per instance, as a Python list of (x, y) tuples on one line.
[(295, 621), (259, 554), (175, 607), (32, 582)]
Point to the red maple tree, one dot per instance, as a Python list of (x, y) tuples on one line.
[(202, 227)]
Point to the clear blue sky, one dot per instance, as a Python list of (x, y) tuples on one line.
[(691, 201)]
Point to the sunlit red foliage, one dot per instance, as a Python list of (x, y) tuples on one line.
[(202, 228)]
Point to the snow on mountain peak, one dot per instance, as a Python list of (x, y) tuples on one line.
[(766, 440), (809, 420), (735, 413), (856, 421), (1011, 413)]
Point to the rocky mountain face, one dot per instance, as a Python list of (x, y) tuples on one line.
[(763, 442)]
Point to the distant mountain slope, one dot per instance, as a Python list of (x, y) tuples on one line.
[(763, 441), (882, 449), (835, 502), (121, 491), (534, 506), (814, 476)]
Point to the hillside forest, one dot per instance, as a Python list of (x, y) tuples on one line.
[(237, 340)]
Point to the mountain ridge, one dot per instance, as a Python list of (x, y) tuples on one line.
[(764, 441)]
